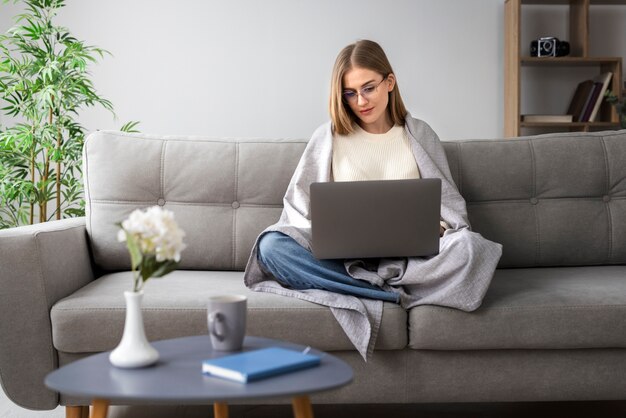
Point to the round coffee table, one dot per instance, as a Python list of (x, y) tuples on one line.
[(177, 379)]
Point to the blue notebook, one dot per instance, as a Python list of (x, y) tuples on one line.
[(258, 364)]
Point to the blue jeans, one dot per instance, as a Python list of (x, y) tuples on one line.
[(294, 266)]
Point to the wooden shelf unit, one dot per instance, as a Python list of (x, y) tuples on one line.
[(579, 56)]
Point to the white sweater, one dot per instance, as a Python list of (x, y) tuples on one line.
[(365, 156)]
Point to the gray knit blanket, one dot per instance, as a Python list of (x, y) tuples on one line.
[(458, 277)]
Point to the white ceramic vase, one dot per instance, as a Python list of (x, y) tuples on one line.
[(134, 350)]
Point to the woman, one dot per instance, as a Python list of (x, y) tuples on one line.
[(371, 136)]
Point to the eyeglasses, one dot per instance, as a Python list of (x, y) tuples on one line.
[(365, 92)]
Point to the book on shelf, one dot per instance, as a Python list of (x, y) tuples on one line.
[(258, 364), (595, 97), (548, 118), (581, 95), (585, 112), (591, 102), (602, 81)]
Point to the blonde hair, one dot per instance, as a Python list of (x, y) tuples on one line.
[(363, 54)]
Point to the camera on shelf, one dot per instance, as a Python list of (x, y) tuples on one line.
[(549, 46)]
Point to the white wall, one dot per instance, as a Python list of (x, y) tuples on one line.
[(262, 68)]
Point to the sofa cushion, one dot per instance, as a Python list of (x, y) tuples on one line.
[(532, 194), (92, 319), (224, 192), (551, 308)]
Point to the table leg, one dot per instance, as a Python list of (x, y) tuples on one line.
[(220, 410), (302, 407), (76, 412), (100, 408)]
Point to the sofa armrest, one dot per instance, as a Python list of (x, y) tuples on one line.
[(39, 265)]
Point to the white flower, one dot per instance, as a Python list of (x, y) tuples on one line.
[(156, 233), (154, 241)]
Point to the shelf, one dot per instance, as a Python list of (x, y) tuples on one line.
[(581, 56), (568, 61), (569, 124)]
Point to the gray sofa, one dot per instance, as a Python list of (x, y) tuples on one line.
[(552, 325)]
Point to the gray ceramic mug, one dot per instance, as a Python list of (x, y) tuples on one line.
[(226, 319)]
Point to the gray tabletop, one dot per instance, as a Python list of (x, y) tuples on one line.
[(177, 377)]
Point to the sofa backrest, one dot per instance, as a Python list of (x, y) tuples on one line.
[(223, 192), (551, 200), (557, 199)]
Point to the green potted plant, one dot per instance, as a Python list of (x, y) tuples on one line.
[(620, 107), (44, 83)]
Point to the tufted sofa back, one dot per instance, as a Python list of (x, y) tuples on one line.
[(556, 199), (223, 192), (551, 200)]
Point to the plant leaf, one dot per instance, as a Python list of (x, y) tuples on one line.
[(130, 127), (135, 252), (165, 268)]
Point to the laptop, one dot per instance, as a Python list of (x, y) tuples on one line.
[(374, 219)]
